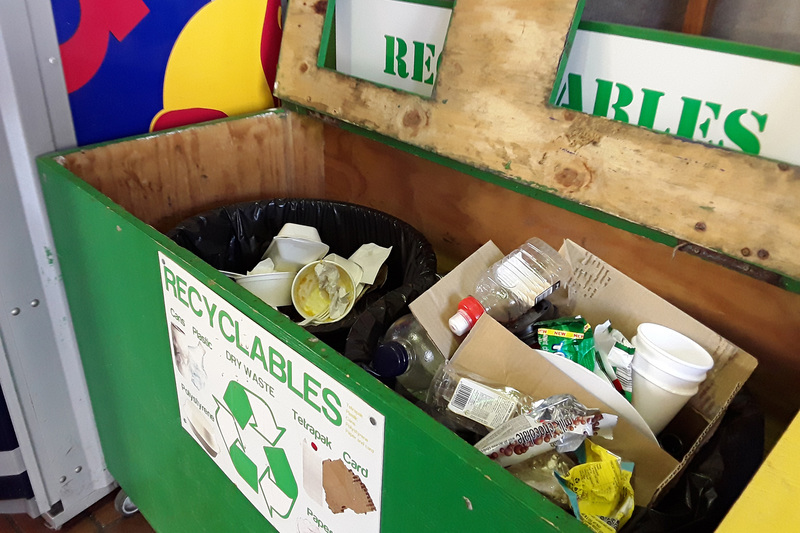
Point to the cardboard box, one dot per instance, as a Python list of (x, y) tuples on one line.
[(600, 293)]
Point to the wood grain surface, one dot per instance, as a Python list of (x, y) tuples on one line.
[(490, 111), (163, 179)]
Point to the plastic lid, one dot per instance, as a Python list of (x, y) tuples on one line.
[(459, 323), (469, 311), (390, 359)]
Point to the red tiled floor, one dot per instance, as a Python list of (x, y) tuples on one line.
[(101, 517), (5, 525), (131, 524)]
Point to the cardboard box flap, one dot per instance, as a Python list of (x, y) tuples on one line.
[(493, 352), (604, 293), (436, 305)]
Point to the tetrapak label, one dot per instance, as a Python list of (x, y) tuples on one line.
[(304, 450), (481, 404)]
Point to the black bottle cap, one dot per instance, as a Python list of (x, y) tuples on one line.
[(525, 326), (390, 359)]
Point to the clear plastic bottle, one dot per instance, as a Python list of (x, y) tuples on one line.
[(408, 353), (512, 285)]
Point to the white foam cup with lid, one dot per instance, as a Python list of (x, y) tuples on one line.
[(668, 368), (295, 246), (299, 231)]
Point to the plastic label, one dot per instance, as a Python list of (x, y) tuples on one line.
[(481, 404)]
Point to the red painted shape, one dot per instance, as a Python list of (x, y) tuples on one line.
[(85, 51), (271, 43), (184, 117)]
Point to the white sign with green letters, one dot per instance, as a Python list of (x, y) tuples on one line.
[(701, 89), (303, 449), (391, 42)]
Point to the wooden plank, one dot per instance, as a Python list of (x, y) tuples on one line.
[(458, 213), (490, 111), (165, 178)]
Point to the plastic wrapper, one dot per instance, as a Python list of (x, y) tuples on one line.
[(616, 355), (559, 422), (469, 401), (571, 337), (599, 489), (538, 473), (234, 238)]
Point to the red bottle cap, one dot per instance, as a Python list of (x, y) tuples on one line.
[(469, 311)]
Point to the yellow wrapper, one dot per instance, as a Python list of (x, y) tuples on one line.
[(600, 489)]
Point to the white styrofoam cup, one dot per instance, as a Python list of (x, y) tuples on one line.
[(668, 368)]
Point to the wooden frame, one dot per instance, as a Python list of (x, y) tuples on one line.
[(490, 111)]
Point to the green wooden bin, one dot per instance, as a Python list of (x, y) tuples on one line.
[(110, 205), (109, 259)]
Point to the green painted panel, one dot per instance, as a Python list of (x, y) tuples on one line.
[(433, 481)]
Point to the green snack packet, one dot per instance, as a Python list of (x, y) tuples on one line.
[(571, 337)]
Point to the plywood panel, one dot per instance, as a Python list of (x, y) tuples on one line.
[(165, 178), (458, 213), (490, 111)]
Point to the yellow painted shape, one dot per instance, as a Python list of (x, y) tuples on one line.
[(770, 501), (216, 60)]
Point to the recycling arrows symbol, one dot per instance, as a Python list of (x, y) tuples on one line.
[(251, 434)]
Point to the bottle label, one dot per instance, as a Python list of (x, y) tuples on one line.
[(548, 292), (523, 280), (482, 404)]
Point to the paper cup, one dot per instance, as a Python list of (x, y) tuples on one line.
[(656, 404), (660, 371), (290, 254), (674, 352), (311, 295), (668, 368)]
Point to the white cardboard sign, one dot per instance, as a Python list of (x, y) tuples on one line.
[(743, 103), (303, 449), (391, 42)]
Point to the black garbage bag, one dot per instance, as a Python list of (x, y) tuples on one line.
[(235, 237), (714, 479)]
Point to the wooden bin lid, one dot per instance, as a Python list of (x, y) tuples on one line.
[(490, 110)]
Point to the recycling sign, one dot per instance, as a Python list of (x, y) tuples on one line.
[(251, 436), (302, 448)]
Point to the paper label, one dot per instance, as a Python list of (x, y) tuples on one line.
[(303, 449), (481, 404)]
